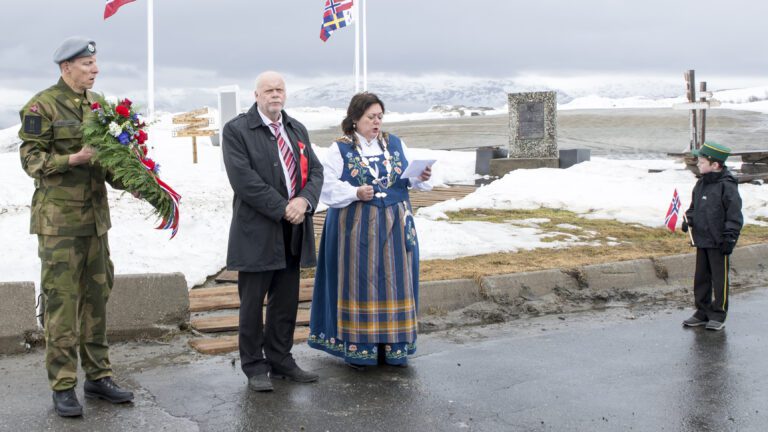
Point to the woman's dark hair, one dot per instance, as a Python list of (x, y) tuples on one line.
[(357, 107)]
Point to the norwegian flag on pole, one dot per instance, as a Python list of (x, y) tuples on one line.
[(113, 6), (337, 14), (674, 209)]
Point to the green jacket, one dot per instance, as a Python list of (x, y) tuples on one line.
[(68, 201)]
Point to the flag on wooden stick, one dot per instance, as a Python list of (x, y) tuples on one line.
[(674, 209)]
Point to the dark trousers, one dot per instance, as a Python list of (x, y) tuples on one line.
[(711, 280), (268, 346)]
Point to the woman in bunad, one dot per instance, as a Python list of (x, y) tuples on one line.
[(365, 301)]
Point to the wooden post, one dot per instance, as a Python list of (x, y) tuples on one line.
[(690, 83), (702, 114), (194, 149)]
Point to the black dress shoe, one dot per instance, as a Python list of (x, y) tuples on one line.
[(296, 374), (357, 367), (260, 383), (107, 390), (65, 403)]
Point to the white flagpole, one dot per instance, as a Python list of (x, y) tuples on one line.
[(357, 47), (151, 59), (365, 45)]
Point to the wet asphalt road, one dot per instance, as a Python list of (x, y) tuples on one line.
[(613, 370)]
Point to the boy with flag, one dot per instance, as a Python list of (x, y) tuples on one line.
[(715, 220)]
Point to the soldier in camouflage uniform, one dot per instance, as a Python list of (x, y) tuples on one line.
[(70, 216)]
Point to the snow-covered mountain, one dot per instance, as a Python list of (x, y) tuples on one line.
[(420, 93), (321, 102)]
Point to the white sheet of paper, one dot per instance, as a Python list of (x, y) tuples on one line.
[(416, 167)]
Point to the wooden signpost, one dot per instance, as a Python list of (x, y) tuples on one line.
[(193, 127), (754, 162), (698, 108)]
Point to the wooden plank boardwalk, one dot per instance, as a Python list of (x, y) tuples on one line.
[(227, 344), (224, 297), (225, 323)]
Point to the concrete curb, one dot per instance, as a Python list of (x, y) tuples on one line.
[(442, 296), (143, 305), (17, 315), (660, 273), (146, 305)]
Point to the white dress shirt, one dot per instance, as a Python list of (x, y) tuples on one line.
[(337, 193), (267, 121)]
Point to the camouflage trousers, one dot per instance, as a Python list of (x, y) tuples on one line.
[(77, 276)]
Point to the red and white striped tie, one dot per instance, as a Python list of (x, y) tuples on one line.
[(287, 153)]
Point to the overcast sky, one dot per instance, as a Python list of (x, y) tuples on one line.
[(209, 43)]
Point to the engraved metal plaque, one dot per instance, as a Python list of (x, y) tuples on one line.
[(531, 120)]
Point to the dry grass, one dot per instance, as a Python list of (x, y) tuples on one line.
[(636, 242)]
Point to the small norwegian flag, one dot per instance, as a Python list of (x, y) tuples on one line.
[(674, 209), (113, 6)]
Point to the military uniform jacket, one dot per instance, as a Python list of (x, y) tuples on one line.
[(715, 210), (68, 201)]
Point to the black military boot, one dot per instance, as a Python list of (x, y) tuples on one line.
[(106, 389), (65, 403)]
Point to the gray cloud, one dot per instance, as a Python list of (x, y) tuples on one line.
[(202, 43)]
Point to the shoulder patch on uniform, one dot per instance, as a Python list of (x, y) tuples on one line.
[(33, 124), (34, 108)]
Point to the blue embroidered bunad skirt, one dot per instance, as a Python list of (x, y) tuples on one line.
[(366, 285)]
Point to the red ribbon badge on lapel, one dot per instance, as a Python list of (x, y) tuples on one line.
[(303, 164)]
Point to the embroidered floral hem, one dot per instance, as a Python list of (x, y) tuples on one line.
[(363, 354)]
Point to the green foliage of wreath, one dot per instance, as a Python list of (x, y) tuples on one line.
[(123, 160)]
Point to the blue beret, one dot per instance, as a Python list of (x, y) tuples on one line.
[(74, 47)]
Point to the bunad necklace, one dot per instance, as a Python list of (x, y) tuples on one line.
[(383, 182)]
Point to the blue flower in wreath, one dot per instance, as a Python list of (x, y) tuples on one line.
[(124, 138), (349, 155)]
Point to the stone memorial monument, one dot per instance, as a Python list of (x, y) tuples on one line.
[(532, 133)]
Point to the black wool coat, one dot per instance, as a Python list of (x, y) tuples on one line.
[(252, 161), (715, 209)]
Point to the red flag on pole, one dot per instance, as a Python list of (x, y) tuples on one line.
[(674, 209), (113, 6), (336, 15)]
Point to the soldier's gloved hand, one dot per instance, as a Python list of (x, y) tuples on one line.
[(729, 242), (685, 226)]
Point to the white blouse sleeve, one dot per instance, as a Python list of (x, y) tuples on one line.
[(416, 182), (336, 193)]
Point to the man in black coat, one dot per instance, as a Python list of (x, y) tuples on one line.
[(271, 235)]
